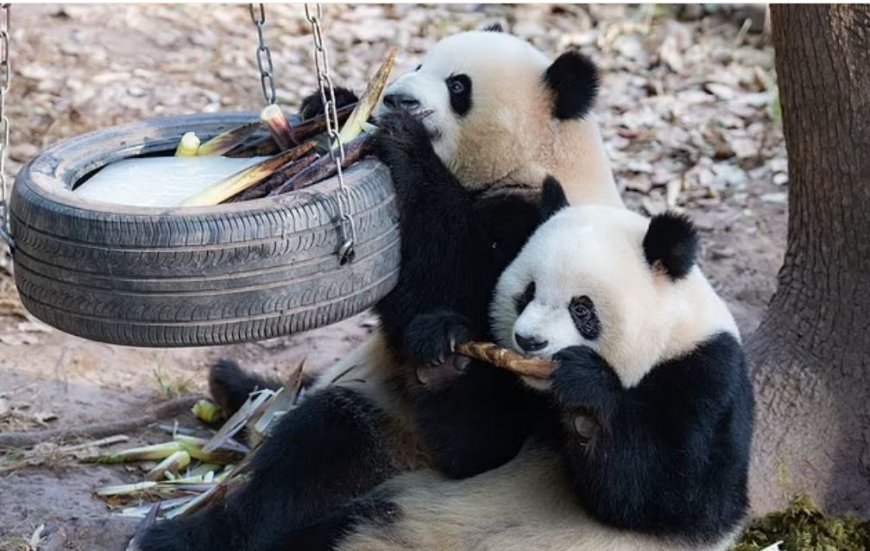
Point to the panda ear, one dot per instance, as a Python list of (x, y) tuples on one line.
[(671, 242), (573, 80), (552, 198), (494, 28)]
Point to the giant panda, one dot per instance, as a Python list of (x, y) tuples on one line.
[(469, 137), (648, 445)]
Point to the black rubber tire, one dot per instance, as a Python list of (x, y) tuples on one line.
[(193, 276)]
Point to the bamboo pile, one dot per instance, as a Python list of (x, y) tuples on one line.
[(295, 161)]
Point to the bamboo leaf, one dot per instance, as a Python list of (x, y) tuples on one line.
[(171, 464)]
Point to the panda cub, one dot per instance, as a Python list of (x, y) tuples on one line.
[(460, 150), (652, 403)]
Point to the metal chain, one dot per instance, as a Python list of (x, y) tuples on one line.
[(5, 78), (264, 54), (346, 252)]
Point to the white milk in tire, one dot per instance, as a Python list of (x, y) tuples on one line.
[(159, 181)]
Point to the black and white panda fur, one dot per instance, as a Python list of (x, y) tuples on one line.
[(649, 443), (498, 119)]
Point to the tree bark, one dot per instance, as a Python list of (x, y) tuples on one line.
[(811, 353)]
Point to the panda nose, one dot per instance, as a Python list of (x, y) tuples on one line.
[(530, 344), (401, 102)]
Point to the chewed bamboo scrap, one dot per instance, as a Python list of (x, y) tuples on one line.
[(539, 368), (273, 118)]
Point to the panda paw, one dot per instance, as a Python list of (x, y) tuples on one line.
[(230, 385), (431, 341), (584, 380), (400, 136), (312, 104)]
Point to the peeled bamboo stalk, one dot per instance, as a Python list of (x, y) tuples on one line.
[(244, 179), (274, 119), (188, 145), (206, 411), (143, 453), (263, 189), (195, 447), (538, 368), (203, 471), (370, 98), (324, 167), (171, 464), (126, 489), (226, 141)]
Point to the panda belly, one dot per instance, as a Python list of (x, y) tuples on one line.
[(527, 504)]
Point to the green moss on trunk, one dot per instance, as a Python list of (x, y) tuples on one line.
[(803, 527)]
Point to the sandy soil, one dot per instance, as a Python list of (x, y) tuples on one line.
[(83, 67)]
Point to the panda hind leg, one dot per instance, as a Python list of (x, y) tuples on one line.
[(334, 447), (230, 385)]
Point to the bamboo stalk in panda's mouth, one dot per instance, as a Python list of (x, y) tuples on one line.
[(538, 368)]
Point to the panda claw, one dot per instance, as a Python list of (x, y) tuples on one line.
[(461, 363), (432, 338)]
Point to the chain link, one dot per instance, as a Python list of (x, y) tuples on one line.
[(5, 78), (346, 252), (264, 54)]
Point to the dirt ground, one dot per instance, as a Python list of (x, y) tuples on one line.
[(687, 110)]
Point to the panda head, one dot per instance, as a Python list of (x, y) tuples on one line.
[(499, 111), (625, 285)]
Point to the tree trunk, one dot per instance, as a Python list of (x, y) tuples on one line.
[(810, 353)]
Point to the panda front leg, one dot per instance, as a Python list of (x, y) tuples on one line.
[(663, 456), (614, 463), (472, 417), (403, 143), (312, 104), (330, 449)]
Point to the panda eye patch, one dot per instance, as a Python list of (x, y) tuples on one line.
[(523, 300), (585, 318), (459, 87)]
